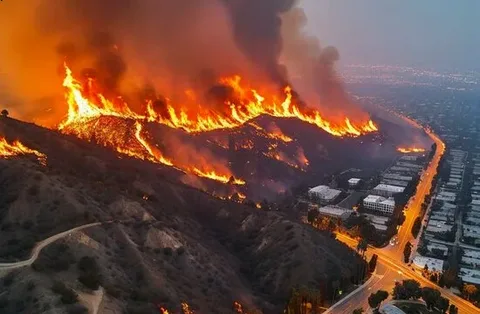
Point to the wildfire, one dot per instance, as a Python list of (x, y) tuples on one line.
[(409, 150), (83, 109), (8, 150), (251, 104), (86, 103), (275, 134), (186, 309)]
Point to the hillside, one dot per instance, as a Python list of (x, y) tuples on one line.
[(161, 241)]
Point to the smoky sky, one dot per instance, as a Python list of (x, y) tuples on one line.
[(162, 48)]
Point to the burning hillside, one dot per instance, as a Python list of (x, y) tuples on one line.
[(87, 104), (189, 67), (9, 150)]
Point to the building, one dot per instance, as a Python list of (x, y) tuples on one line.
[(396, 176), (432, 263), (470, 275), (379, 222), (353, 182), (388, 190), (324, 193), (394, 182), (379, 204), (336, 212)]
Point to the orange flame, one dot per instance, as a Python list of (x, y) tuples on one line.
[(8, 150), (186, 309), (409, 150), (83, 109), (250, 106)]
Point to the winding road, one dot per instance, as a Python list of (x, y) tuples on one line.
[(42, 244)]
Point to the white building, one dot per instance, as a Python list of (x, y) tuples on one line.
[(388, 190), (379, 222), (324, 193), (432, 263), (335, 212), (470, 275), (353, 182), (379, 204), (396, 176)]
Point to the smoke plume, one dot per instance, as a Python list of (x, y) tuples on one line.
[(153, 47)]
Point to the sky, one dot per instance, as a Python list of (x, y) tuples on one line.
[(437, 34)]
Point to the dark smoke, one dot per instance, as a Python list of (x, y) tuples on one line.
[(329, 86), (257, 29)]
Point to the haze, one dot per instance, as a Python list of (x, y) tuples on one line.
[(439, 34)]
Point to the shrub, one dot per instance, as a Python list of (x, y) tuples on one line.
[(87, 263), (168, 251), (27, 225), (90, 280), (68, 296)]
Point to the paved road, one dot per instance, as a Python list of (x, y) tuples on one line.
[(389, 270), (40, 245), (390, 259)]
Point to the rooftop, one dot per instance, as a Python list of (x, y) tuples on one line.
[(354, 180), (379, 199), (470, 275), (432, 263), (325, 192), (389, 188), (335, 211)]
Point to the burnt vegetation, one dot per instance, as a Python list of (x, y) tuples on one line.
[(207, 251)]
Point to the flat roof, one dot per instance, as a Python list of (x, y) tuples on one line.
[(470, 275), (325, 192), (354, 180), (389, 188), (432, 263), (379, 199), (336, 211)]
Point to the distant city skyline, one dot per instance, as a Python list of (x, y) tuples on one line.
[(439, 34)]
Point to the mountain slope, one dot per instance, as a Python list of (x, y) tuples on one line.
[(162, 242)]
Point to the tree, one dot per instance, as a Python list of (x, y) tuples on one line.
[(407, 290), (441, 281), (360, 310), (90, 275), (373, 263), (4, 113), (362, 246), (417, 224), (430, 296), (68, 296), (407, 251), (469, 290), (442, 304), (375, 299), (453, 309)]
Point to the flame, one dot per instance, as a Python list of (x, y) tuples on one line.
[(83, 109), (8, 150), (274, 154), (86, 103), (275, 133), (409, 150), (186, 309), (251, 104)]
